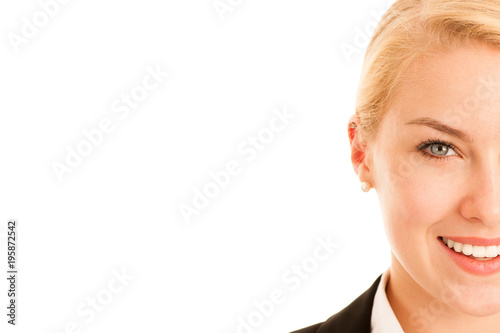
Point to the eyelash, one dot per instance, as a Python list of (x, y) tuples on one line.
[(425, 144)]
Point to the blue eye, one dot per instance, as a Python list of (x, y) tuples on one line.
[(438, 149)]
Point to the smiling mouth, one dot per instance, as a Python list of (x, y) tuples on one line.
[(477, 252)]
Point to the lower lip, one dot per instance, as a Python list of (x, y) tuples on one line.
[(473, 266)]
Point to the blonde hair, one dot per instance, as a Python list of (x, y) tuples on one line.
[(409, 30)]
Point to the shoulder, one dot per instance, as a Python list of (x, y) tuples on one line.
[(355, 318)]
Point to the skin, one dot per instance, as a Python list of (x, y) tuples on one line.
[(422, 199)]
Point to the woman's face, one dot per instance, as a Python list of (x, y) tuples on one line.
[(456, 194)]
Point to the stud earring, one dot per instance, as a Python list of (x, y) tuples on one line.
[(365, 186), (353, 125)]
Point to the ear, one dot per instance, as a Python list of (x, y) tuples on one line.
[(359, 153)]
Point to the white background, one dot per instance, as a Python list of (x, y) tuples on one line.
[(119, 208)]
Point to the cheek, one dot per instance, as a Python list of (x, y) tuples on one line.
[(414, 188), (412, 206), (405, 221), (415, 195)]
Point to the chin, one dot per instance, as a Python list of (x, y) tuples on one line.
[(479, 310), (477, 303)]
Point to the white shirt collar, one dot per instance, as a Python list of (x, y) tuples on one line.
[(383, 318)]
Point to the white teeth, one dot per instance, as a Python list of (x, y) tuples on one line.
[(467, 249), (491, 251), (483, 259), (450, 243), (476, 251)]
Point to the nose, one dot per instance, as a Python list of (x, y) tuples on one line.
[(482, 197)]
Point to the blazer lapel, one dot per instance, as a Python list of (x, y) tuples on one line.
[(355, 318)]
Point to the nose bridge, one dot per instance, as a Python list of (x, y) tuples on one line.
[(484, 195)]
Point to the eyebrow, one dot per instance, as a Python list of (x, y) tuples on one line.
[(437, 125)]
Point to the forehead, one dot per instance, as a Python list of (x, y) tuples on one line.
[(460, 87)]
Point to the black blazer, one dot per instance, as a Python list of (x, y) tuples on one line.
[(355, 318)]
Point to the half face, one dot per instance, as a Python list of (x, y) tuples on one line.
[(436, 171)]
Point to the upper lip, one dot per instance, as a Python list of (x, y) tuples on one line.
[(475, 240)]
